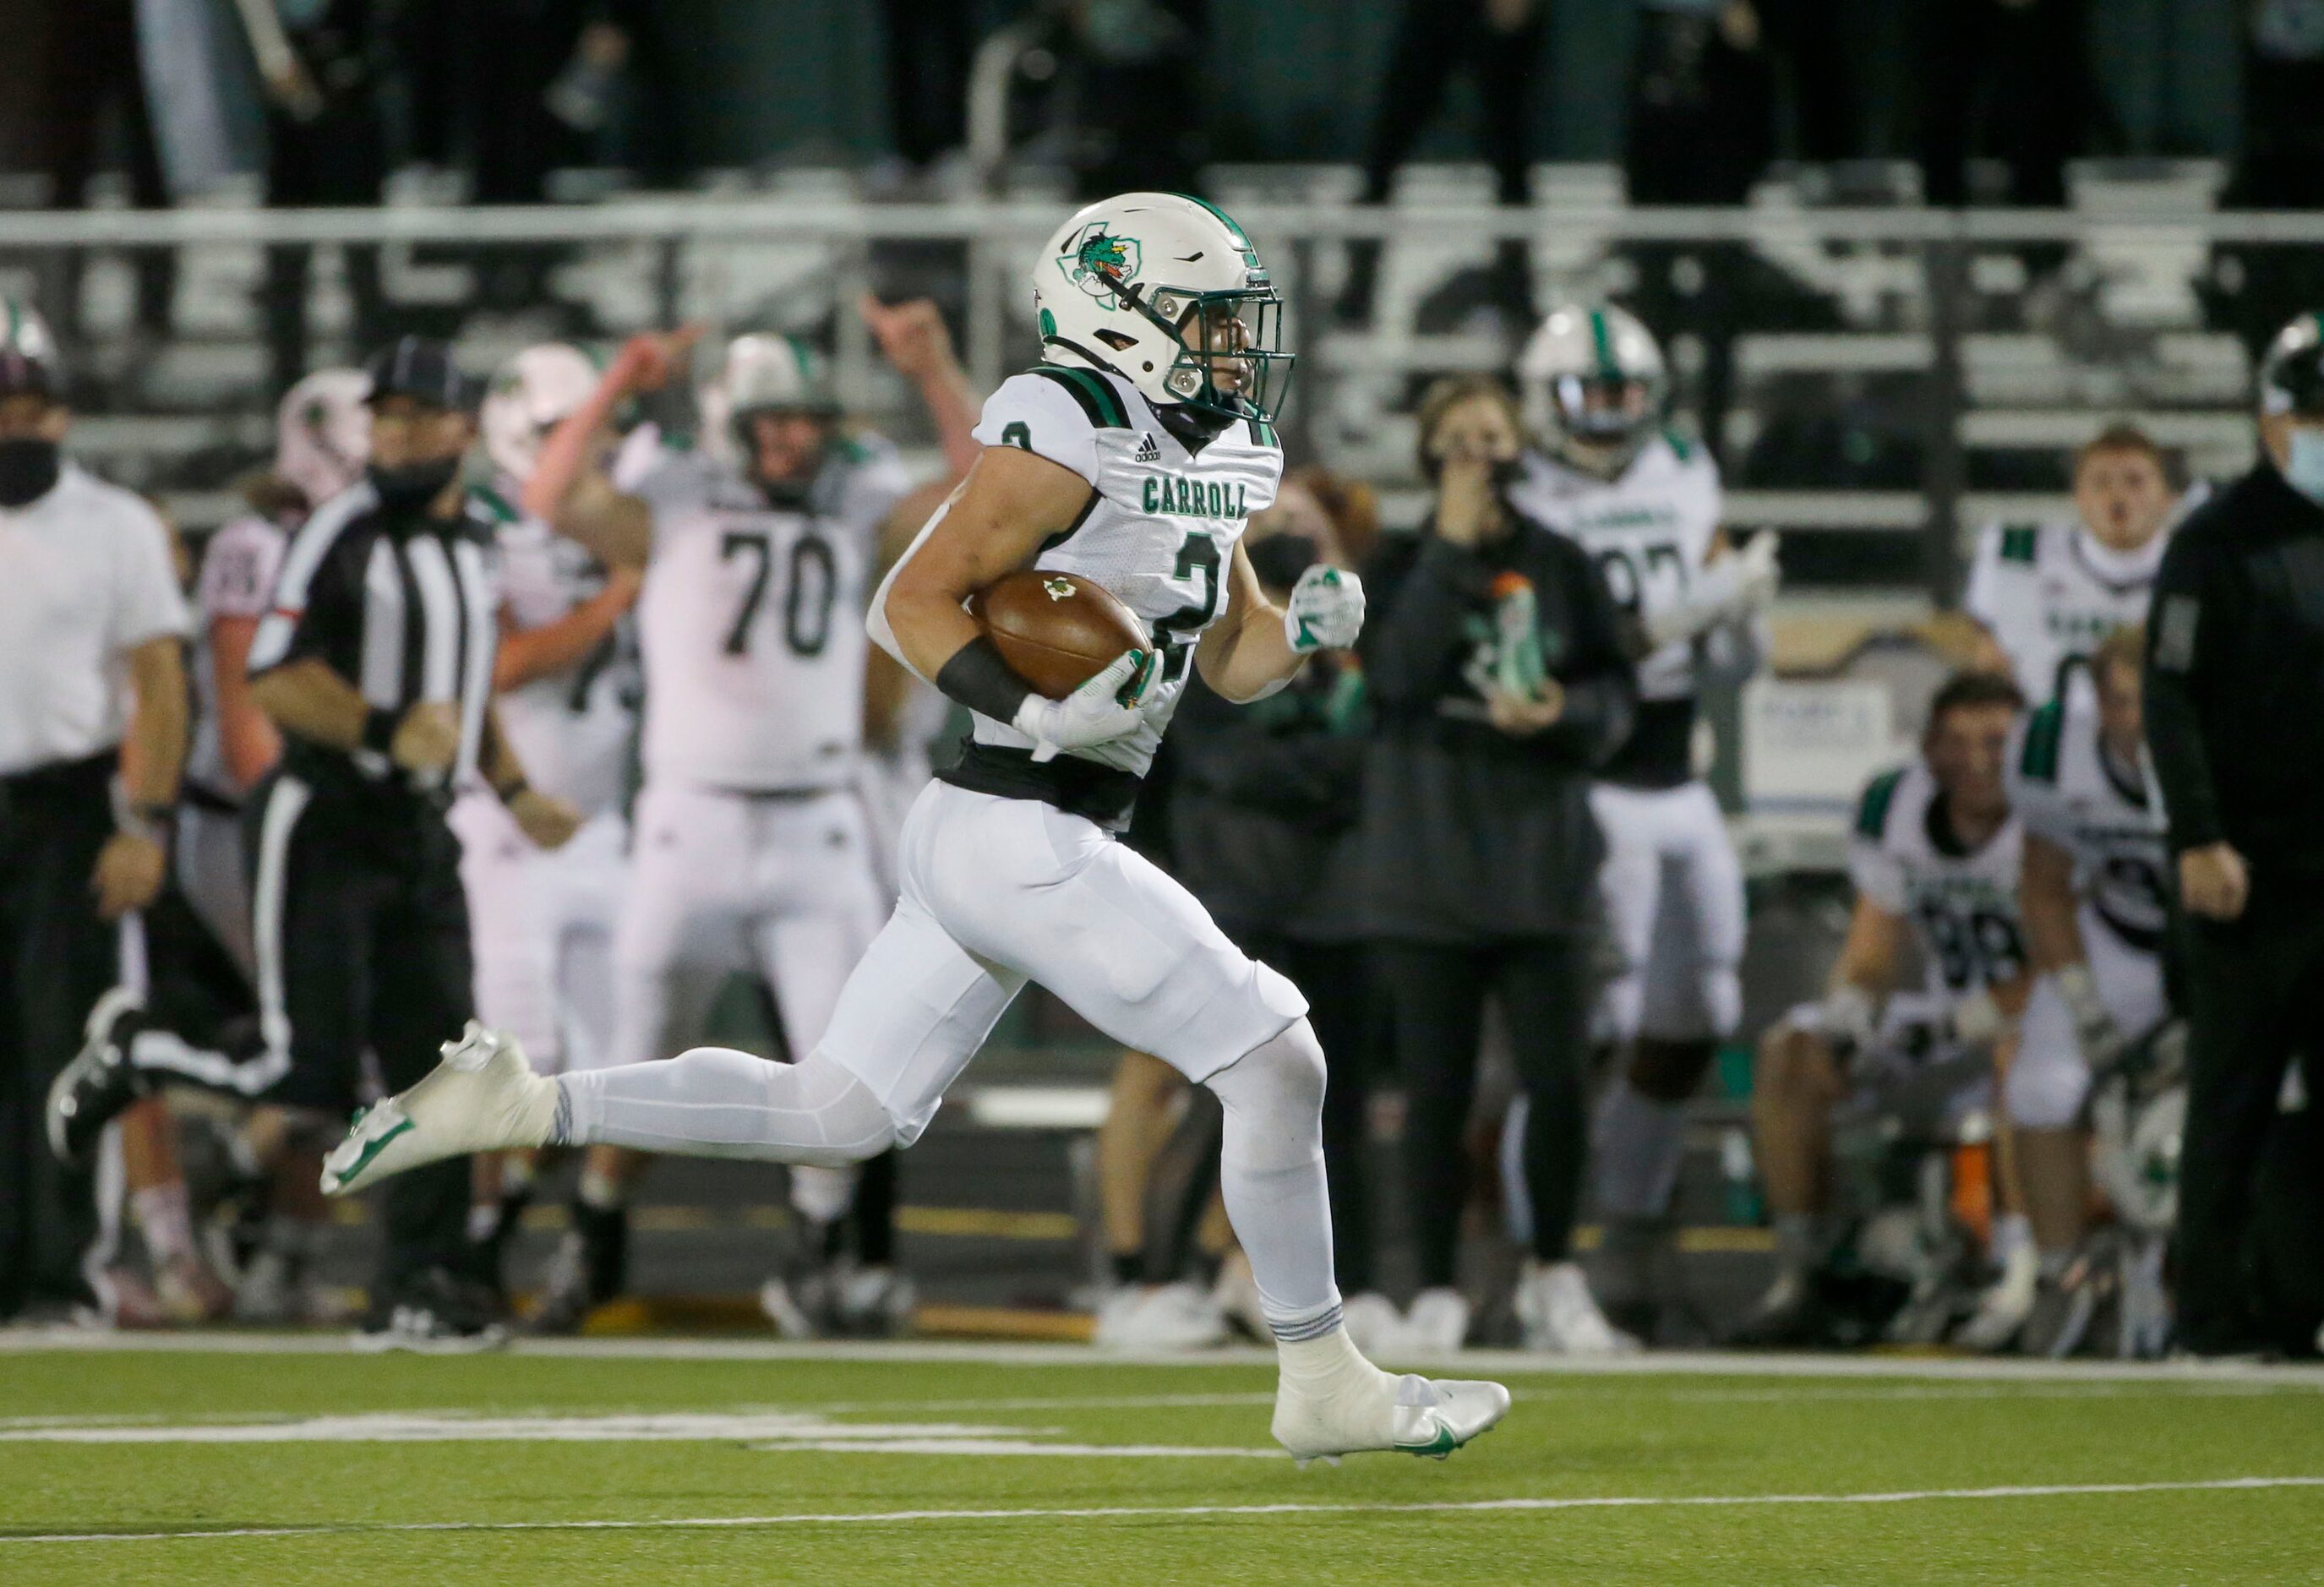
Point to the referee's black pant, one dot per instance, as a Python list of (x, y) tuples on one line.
[(55, 959), (362, 936), (2254, 999)]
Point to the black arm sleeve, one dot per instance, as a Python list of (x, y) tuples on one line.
[(1420, 589), (2187, 603), (1601, 687), (977, 678)]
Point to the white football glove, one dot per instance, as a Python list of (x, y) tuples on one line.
[(2099, 1038), (1105, 708), (1325, 611), (1740, 585)]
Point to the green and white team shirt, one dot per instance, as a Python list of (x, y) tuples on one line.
[(1160, 527), (2067, 790), (2048, 593), (1963, 905), (572, 729), (1650, 532), (751, 622)]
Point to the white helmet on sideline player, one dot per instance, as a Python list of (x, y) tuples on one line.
[(1167, 292), (529, 396), (29, 360), (1592, 375), (322, 433)]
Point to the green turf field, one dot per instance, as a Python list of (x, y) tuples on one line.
[(1055, 1466)]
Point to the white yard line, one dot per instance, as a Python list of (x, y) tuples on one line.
[(1682, 1363), (1207, 1511)]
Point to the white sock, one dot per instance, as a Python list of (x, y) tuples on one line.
[(1271, 1176), (2012, 1232), (164, 1219), (714, 1102)]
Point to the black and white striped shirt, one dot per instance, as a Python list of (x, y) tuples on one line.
[(401, 604)]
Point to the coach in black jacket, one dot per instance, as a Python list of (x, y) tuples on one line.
[(1480, 856), (2234, 719)]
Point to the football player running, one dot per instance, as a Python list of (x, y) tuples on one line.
[(1131, 456), (543, 920), (1935, 856), (2095, 905), (1645, 504), (2043, 595)]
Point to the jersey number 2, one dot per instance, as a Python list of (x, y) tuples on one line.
[(1198, 557), (809, 590)]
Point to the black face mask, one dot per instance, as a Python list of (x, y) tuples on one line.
[(409, 486), (1506, 472), (28, 470), (1280, 558)]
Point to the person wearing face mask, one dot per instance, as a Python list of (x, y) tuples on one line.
[(2044, 595), (1498, 668), (373, 661), (2234, 722), (92, 739)]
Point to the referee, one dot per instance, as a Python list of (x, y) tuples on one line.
[(2234, 719), (88, 602), (376, 663)]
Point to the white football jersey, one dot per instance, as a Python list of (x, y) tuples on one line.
[(1651, 531), (2048, 593), (237, 580), (2067, 790), (1963, 906), (571, 729), (751, 624), (1159, 533)]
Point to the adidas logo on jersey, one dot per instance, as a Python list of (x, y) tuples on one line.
[(1176, 495), (1149, 450)]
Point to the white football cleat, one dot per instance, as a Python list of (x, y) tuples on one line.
[(483, 1097), (2001, 1310), (1169, 1317), (1560, 1316), (1410, 1415)]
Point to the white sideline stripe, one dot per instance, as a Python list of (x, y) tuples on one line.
[(1083, 1358), (1149, 1512)]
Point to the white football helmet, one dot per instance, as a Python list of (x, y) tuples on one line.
[(29, 360), (1592, 373), (322, 433), (529, 396), (761, 372), (1167, 292)]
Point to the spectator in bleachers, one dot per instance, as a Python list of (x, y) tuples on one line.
[(1497, 668), (1499, 41), (325, 146), (2010, 78)]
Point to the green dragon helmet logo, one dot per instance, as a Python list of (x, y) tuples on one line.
[(1098, 262)]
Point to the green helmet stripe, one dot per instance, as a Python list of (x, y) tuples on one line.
[(1602, 343), (1225, 219)]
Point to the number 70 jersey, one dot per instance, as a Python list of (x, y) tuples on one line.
[(751, 622), (1160, 527)]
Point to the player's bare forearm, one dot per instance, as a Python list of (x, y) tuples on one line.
[(157, 678), (497, 758), (529, 654), (1247, 653), (2045, 901), (1868, 955), (245, 737), (569, 491), (1009, 504), (306, 700)]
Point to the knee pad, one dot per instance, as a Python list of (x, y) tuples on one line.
[(1278, 1086), (851, 1122), (2044, 1089)]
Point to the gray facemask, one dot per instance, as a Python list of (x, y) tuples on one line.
[(2303, 470)]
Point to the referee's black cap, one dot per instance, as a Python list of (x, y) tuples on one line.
[(2292, 375), (422, 370)]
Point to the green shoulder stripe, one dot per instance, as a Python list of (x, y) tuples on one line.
[(2044, 731), (1262, 433), (1872, 814), (1096, 396), (496, 505), (1675, 437), (2017, 542)]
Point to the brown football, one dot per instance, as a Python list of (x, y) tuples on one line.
[(1056, 630)]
